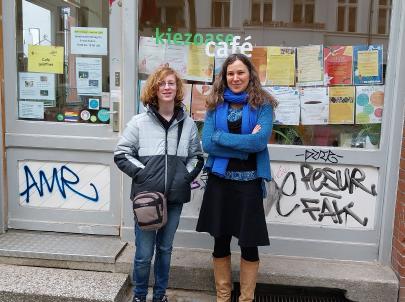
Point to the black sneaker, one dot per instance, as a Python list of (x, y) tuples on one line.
[(137, 299), (163, 299)]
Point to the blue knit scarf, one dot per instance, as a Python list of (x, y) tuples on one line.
[(249, 121)]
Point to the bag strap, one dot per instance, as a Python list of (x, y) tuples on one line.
[(179, 131)]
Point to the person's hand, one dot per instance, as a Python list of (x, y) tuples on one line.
[(256, 129)]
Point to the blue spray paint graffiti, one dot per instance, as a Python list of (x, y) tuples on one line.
[(65, 179)]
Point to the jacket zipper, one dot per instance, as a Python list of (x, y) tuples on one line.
[(166, 151)]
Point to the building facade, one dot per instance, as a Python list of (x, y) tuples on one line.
[(73, 72)]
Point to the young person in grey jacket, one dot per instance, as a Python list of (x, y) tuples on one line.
[(236, 130), (140, 154)]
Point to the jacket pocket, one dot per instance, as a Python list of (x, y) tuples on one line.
[(180, 189)]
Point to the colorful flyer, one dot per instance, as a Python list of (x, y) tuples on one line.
[(200, 67), (198, 100), (368, 62), (338, 61), (310, 65), (151, 55), (280, 66), (314, 105), (259, 60), (37, 86), (88, 40), (48, 59), (288, 110), (88, 76), (31, 110), (341, 105), (369, 104)]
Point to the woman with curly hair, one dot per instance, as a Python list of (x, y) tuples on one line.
[(158, 147), (237, 128)]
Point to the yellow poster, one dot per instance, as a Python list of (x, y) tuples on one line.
[(367, 63), (200, 67), (341, 105), (280, 66), (47, 59)]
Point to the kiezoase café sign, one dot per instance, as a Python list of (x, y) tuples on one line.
[(223, 42)]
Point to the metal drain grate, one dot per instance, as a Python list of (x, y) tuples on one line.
[(274, 293)]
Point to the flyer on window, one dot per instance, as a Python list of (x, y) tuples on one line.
[(310, 65), (280, 66), (338, 61), (341, 105), (31, 110), (151, 55), (176, 58), (88, 40), (369, 104), (89, 76), (37, 86), (187, 97), (198, 100), (368, 61), (259, 60), (314, 105), (288, 110), (200, 67), (48, 59)]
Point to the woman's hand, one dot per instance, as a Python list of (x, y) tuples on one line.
[(256, 129)]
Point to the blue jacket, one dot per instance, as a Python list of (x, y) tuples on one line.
[(219, 143)]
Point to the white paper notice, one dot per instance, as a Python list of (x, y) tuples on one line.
[(314, 106), (88, 40), (151, 55), (37, 86), (88, 76), (176, 58), (288, 110), (31, 109)]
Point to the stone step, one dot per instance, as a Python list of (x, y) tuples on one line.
[(38, 284)]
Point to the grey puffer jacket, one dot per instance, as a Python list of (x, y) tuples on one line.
[(140, 153)]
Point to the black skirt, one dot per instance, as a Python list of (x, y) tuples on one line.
[(235, 208)]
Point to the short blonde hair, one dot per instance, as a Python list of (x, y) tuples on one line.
[(149, 91)]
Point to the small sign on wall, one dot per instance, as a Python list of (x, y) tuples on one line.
[(64, 185)]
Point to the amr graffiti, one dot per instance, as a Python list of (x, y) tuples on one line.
[(61, 179), (331, 185)]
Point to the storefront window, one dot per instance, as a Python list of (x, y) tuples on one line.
[(62, 60), (328, 79)]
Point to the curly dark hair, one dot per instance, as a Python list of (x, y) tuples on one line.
[(257, 95)]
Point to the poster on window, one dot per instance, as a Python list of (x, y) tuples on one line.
[(341, 105), (259, 60), (369, 104), (88, 40), (368, 60), (310, 65), (288, 110), (338, 61), (151, 55), (280, 66), (199, 97), (88, 76), (314, 105), (37, 86)]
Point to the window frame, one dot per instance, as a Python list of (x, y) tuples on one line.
[(304, 4), (347, 5)]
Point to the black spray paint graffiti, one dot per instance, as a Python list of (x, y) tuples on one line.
[(321, 155), (64, 178), (326, 178)]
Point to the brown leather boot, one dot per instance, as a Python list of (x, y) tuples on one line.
[(248, 276), (223, 275)]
